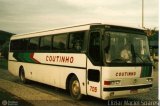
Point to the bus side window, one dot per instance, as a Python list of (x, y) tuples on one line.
[(15, 45), (60, 42), (24, 44), (94, 47), (45, 43), (76, 41), (34, 44), (18, 45)]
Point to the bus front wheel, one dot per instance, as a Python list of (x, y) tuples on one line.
[(22, 76), (75, 89)]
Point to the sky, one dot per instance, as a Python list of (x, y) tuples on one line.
[(22, 16)]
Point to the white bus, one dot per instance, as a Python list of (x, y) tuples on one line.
[(100, 60)]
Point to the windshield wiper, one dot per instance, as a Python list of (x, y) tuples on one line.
[(140, 57), (135, 54)]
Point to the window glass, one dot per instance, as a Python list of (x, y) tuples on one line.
[(94, 46), (127, 48), (19, 45), (15, 45), (24, 44), (60, 42), (45, 43), (93, 75), (76, 41), (33, 44)]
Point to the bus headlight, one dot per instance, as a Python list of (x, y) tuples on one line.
[(149, 79), (115, 82), (111, 94)]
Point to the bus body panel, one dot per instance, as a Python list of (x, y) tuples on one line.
[(13, 67), (121, 72), (93, 86), (120, 94), (130, 82), (62, 59), (51, 32), (52, 74)]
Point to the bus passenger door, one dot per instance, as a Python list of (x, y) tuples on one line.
[(93, 65)]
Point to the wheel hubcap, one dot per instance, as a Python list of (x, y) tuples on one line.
[(75, 87), (22, 76)]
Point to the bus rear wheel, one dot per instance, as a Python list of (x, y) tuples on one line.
[(75, 89), (22, 76)]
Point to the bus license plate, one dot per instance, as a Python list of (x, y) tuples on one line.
[(134, 91)]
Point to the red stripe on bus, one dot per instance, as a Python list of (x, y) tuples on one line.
[(31, 56)]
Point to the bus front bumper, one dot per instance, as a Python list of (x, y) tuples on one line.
[(118, 92)]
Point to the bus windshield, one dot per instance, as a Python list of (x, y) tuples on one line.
[(126, 48)]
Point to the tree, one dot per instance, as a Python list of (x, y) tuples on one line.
[(5, 49)]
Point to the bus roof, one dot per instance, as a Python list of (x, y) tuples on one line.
[(61, 30)]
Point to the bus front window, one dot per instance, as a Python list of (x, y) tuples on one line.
[(127, 48)]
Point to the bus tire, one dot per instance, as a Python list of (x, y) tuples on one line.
[(22, 76), (75, 89)]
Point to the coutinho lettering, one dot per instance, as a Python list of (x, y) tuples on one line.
[(125, 73), (61, 59)]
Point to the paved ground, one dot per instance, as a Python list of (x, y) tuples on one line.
[(7, 98)]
